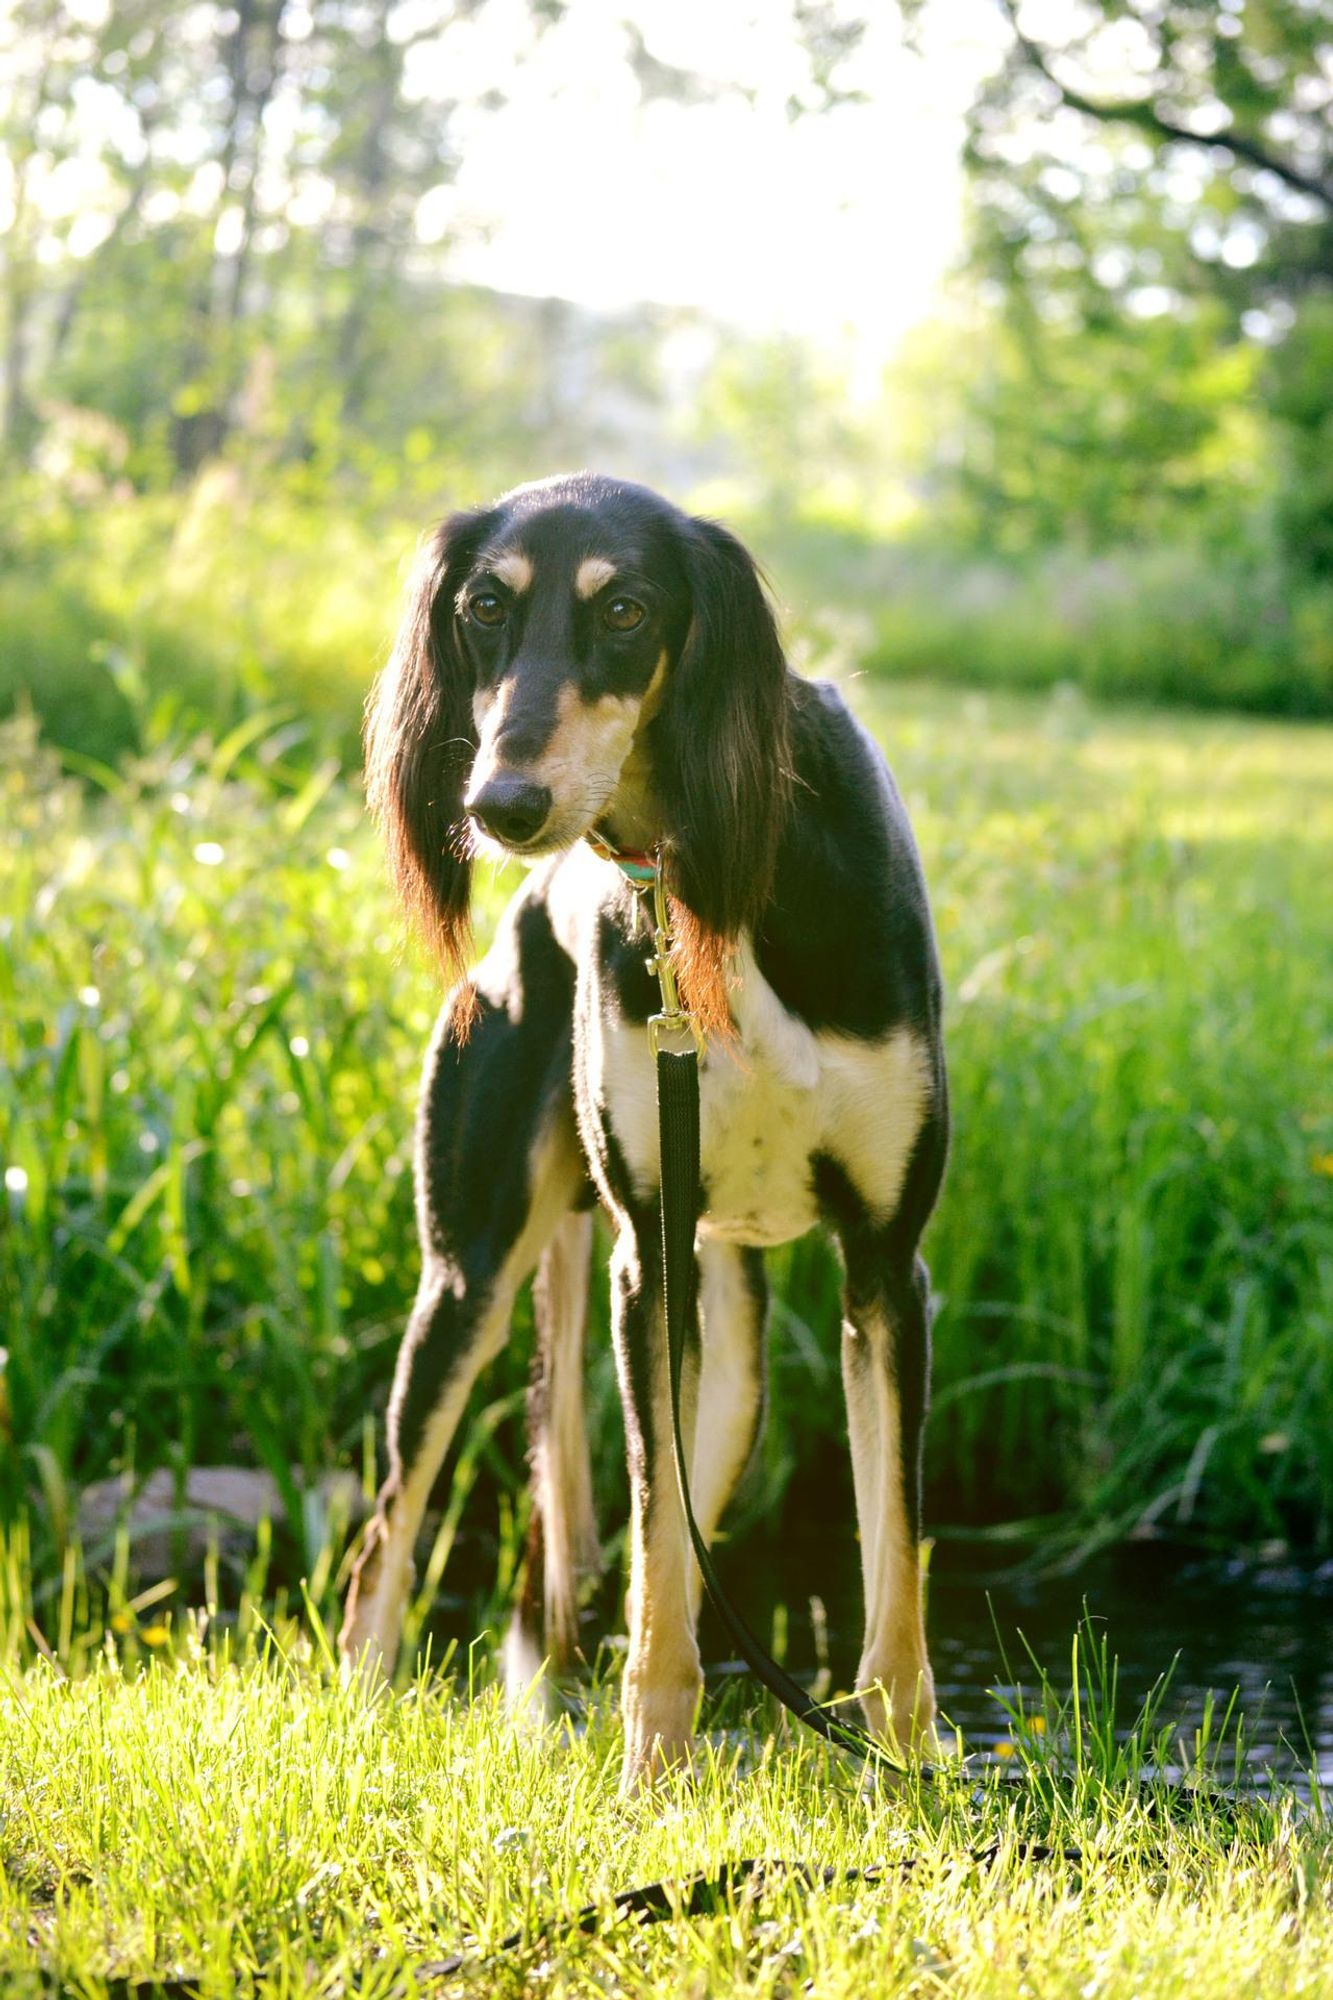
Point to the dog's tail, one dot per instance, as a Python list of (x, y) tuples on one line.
[(562, 1533)]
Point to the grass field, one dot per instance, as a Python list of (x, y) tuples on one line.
[(222, 1808), (208, 1051)]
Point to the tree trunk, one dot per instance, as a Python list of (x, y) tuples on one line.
[(200, 434)]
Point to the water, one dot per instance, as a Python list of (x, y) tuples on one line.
[(1263, 1628), (1266, 1630)]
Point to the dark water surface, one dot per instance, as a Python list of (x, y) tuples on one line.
[(1265, 1629)]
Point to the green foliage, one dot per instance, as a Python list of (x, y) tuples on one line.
[(240, 594), (1189, 627), (255, 284), (228, 1809), (246, 591), (1183, 148), (1139, 359), (208, 1054), (1301, 398), (1096, 436), (198, 1091)]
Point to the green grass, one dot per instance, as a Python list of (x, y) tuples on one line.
[(209, 1045), (218, 1805)]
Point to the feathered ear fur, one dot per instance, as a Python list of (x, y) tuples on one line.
[(420, 742), (721, 764)]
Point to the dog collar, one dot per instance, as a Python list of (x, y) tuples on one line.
[(638, 868)]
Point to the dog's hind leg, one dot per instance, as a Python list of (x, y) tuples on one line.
[(458, 1324), (885, 1365), (562, 1538), (450, 1336)]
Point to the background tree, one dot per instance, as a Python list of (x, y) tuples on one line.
[(1153, 244)]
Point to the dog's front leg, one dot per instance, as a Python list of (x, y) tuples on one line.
[(885, 1366), (662, 1674)]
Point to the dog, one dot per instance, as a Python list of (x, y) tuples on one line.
[(584, 672)]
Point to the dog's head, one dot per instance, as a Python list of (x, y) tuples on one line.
[(584, 653)]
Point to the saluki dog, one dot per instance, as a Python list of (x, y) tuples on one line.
[(584, 674)]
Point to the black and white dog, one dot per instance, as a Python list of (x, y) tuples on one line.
[(582, 666)]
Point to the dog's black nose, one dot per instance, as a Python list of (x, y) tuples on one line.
[(512, 809)]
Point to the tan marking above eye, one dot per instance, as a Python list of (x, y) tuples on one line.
[(514, 570), (592, 574)]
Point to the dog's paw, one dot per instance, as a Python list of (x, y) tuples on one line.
[(659, 1728), (898, 1700), (650, 1765), (525, 1672), (373, 1613)]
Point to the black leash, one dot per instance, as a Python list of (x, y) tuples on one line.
[(708, 1895), (702, 1895)]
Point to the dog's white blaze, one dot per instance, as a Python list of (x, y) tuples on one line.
[(781, 1094), (488, 713), (582, 761), (590, 742), (592, 573)]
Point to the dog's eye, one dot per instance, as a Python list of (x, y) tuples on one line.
[(487, 608), (622, 614)]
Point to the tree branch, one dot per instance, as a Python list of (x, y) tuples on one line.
[(1141, 112)]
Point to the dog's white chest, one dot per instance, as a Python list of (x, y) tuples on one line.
[(769, 1106)]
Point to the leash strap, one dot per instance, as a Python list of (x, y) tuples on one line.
[(678, 1141)]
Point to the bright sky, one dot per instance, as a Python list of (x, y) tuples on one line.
[(838, 225)]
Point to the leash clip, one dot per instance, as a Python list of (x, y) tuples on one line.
[(673, 1029)]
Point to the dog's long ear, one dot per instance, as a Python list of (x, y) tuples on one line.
[(721, 762), (420, 741)]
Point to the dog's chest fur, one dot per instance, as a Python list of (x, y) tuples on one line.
[(771, 1106)]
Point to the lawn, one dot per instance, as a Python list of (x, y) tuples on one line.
[(227, 1810)]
